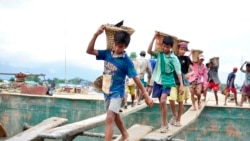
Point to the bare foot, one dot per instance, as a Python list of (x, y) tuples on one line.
[(199, 105), (225, 104), (125, 137), (193, 108)]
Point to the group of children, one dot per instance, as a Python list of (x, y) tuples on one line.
[(173, 76), (245, 89)]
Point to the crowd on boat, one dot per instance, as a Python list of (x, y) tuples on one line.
[(170, 76)]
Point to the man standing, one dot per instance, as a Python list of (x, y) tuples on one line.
[(230, 86), (213, 78), (143, 68)]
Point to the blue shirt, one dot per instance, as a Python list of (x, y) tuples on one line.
[(118, 68), (152, 63), (230, 77)]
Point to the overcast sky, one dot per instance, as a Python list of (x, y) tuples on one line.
[(34, 32)]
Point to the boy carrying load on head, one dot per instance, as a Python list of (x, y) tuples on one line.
[(117, 65), (166, 65)]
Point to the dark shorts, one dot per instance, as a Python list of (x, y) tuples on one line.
[(158, 91)]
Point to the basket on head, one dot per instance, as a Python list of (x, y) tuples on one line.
[(195, 54), (159, 40), (110, 31), (213, 59)]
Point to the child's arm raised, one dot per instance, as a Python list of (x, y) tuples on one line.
[(150, 47), (90, 49), (241, 68)]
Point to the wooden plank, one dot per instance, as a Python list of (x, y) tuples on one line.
[(79, 127), (136, 132), (187, 118), (33, 132)]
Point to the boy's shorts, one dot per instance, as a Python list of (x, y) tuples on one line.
[(174, 94), (212, 85), (233, 90), (246, 90), (131, 90), (195, 87), (158, 90), (113, 104)]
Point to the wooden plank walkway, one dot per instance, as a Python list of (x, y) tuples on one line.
[(33, 132), (76, 128), (187, 118), (136, 132)]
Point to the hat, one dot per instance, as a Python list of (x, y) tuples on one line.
[(235, 69), (183, 45), (133, 55), (201, 56)]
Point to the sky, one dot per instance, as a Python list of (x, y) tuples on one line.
[(35, 33)]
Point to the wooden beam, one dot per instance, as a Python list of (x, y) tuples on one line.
[(136, 132), (79, 127), (33, 132)]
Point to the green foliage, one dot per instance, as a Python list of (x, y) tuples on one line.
[(1, 80), (76, 80), (33, 78)]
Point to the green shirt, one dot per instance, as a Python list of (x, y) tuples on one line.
[(165, 68)]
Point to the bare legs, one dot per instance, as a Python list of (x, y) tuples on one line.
[(196, 91), (216, 97), (163, 109), (109, 130)]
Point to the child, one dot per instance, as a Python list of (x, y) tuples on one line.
[(246, 86), (166, 65), (230, 86), (143, 68), (152, 61), (198, 79), (186, 65), (130, 83), (213, 79), (116, 66)]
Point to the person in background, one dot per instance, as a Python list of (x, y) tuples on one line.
[(197, 80), (175, 95), (230, 86), (166, 65), (130, 84), (204, 85), (152, 61), (143, 68), (246, 86), (117, 65), (213, 78)]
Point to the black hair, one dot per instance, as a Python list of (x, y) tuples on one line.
[(207, 65), (122, 37), (248, 65), (143, 53), (168, 40)]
